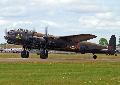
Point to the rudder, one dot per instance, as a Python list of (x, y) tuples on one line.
[(112, 45)]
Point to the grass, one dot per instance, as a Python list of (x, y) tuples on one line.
[(60, 74), (56, 73), (17, 55)]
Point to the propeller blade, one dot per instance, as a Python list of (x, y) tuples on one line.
[(46, 37), (6, 31), (34, 30), (46, 31)]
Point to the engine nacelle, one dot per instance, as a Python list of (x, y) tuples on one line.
[(41, 39)]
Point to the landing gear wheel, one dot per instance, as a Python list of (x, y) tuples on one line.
[(44, 54), (24, 54), (94, 56), (115, 54)]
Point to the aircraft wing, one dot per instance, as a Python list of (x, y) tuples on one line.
[(78, 38)]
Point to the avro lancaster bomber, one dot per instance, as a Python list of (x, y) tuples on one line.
[(45, 42)]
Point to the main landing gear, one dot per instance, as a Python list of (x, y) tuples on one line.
[(24, 54), (44, 54)]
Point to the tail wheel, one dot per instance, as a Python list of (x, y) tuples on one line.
[(115, 54), (94, 56), (24, 54)]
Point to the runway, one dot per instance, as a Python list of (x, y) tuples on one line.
[(70, 60)]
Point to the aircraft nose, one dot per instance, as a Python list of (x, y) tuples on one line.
[(9, 40)]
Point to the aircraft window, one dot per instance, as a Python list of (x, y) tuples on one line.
[(21, 29), (26, 31)]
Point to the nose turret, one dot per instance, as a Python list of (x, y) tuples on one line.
[(10, 35), (19, 36)]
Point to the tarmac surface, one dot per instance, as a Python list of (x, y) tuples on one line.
[(71, 60)]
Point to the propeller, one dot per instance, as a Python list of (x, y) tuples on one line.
[(46, 37), (5, 31), (34, 30)]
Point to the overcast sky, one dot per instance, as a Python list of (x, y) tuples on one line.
[(63, 17)]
